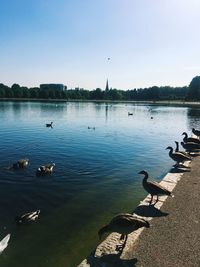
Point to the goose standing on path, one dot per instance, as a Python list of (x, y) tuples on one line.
[(49, 124), (182, 152), (27, 217), (190, 146), (196, 132), (45, 169), (187, 139), (154, 188), (123, 224), (178, 157), (20, 164)]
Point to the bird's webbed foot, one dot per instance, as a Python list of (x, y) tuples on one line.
[(120, 247)]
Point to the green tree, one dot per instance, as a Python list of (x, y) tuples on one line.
[(17, 92), (194, 89)]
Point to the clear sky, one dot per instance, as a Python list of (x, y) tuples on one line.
[(149, 42)]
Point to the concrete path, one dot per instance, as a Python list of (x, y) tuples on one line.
[(174, 240), (174, 237)]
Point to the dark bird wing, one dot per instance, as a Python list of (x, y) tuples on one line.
[(156, 188), (126, 220)]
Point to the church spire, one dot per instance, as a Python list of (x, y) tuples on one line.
[(107, 86)]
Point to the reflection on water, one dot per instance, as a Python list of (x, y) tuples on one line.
[(193, 118), (96, 172)]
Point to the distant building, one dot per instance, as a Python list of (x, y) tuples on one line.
[(55, 86)]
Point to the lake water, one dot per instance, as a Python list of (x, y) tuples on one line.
[(95, 175)]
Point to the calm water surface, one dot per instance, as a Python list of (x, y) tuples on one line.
[(95, 174)]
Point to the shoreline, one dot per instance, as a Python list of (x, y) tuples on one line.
[(105, 252), (157, 102)]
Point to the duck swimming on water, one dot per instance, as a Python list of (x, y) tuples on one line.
[(123, 224), (45, 169), (49, 124), (20, 164), (27, 217)]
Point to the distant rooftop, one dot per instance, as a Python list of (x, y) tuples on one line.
[(54, 86)]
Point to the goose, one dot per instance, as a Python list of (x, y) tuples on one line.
[(27, 217), (154, 188), (190, 146), (178, 157), (182, 152), (4, 243), (123, 224), (20, 164), (187, 139), (196, 132), (130, 114), (45, 169), (49, 124)]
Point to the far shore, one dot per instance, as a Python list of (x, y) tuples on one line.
[(155, 102)]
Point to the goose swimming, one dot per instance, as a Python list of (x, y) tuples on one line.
[(178, 157), (187, 139), (4, 243), (123, 224), (45, 169), (20, 164), (154, 188), (27, 217)]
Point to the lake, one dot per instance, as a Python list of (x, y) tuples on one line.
[(95, 176)]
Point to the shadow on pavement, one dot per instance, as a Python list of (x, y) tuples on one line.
[(111, 260), (149, 211)]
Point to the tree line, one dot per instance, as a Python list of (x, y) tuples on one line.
[(191, 92)]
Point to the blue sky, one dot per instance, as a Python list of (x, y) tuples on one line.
[(149, 42)]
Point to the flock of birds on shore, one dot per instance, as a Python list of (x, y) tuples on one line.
[(126, 223), (123, 223)]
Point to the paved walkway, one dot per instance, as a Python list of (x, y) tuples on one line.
[(173, 240)]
